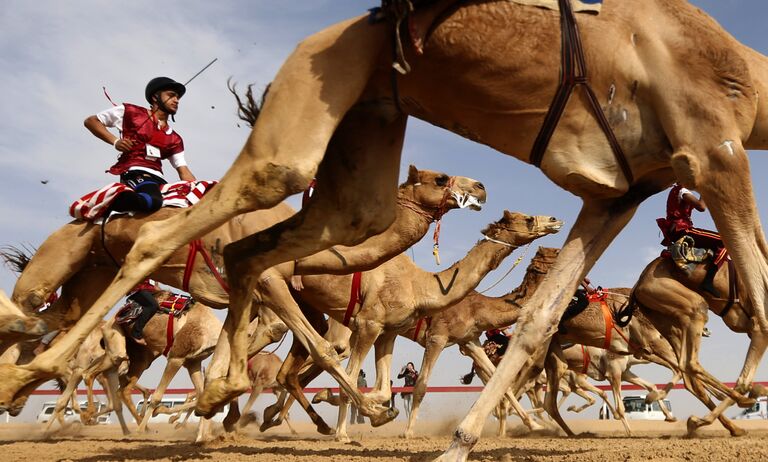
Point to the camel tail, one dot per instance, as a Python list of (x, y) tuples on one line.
[(16, 258), (467, 378), (247, 108), (60, 384)]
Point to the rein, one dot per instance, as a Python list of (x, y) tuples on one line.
[(573, 72), (514, 265), (196, 247)]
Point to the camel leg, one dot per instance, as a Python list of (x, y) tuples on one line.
[(485, 370), (246, 418), (269, 330), (597, 225), (383, 347), (434, 346), (171, 368), (590, 401), (61, 402), (314, 90), (613, 373), (653, 392), (364, 335), (114, 402), (582, 386), (556, 368)]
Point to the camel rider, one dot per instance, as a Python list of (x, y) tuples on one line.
[(143, 295), (678, 223), (500, 337), (146, 138)]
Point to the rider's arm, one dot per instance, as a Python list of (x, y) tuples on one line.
[(98, 124), (697, 203), (180, 164)]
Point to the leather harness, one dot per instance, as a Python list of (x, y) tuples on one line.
[(573, 73)]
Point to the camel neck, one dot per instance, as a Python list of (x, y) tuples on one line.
[(451, 285)]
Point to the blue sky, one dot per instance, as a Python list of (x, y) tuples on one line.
[(56, 56)]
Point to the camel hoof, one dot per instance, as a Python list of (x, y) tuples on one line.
[(270, 412), (736, 432), (381, 418), (247, 419), (693, 424), (408, 434), (267, 424), (343, 439), (670, 419), (571, 408), (324, 429), (215, 396)]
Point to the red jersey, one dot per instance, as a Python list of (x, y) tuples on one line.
[(678, 210), (152, 143)]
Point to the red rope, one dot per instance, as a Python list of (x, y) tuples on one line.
[(195, 247), (355, 297), (169, 333)]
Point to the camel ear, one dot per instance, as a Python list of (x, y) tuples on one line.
[(413, 174), (507, 215)]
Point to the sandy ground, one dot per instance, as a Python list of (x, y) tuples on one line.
[(600, 441)]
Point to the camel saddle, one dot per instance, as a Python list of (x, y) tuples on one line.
[(176, 305), (685, 255), (578, 303)]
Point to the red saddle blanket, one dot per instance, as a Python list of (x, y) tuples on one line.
[(180, 194)]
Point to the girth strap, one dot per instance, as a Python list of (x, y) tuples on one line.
[(419, 323), (585, 359), (355, 297), (608, 317), (195, 247), (169, 337), (733, 289), (573, 72)]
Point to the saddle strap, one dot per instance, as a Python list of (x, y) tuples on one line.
[(419, 323), (573, 72), (355, 297), (733, 288), (169, 337), (608, 317), (585, 359), (195, 247)]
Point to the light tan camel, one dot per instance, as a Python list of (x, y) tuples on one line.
[(672, 300), (421, 196), (685, 105), (262, 369), (398, 293), (599, 364), (90, 351)]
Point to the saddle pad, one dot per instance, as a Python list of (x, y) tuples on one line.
[(579, 6), (180, 194), (128, 313)]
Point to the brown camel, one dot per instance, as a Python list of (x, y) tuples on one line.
[(262, 369), (398, 293), (464, 322), (684, 105), (671, 298)]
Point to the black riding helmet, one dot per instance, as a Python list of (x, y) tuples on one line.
[(163, 83)]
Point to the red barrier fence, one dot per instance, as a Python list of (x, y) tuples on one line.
[(456, 389)]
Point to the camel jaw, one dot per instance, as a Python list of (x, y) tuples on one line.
[(467, 200)]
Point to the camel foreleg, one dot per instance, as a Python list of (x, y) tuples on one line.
[(432, 350)]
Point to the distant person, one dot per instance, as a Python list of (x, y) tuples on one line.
[(409, 374), (355, 416)]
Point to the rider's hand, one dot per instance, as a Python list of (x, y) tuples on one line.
[(124, 144)]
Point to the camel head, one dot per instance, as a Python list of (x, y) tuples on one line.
[(518, 228), (437, 192), (544, 259)]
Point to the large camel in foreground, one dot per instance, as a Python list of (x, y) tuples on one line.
[(673, 300), (684, 106)]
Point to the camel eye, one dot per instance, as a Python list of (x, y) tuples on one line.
[(441, 180), (529, 220)]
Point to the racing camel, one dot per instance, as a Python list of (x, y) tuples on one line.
[(681, 102)]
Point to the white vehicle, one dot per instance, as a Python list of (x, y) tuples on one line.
[(69, 414), (635, 408), (759, 410), (173, 402)]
